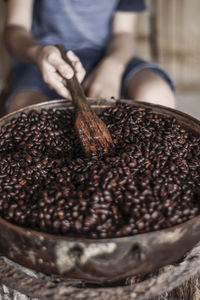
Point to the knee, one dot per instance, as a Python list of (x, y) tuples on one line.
[(149, 86)]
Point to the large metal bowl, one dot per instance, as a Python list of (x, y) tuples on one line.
[(99, 260)]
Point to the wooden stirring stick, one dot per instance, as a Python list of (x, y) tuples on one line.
[(92, 132)]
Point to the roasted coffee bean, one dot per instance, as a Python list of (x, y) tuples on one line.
[(148, 181)]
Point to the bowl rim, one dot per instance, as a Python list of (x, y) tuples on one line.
[(95, 102)]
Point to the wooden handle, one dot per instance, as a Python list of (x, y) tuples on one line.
[(73, 85), (92, 132)]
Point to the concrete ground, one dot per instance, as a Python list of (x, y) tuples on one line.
[(189, 102)]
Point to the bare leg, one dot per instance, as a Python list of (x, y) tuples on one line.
[(148, 86), (25, 98)]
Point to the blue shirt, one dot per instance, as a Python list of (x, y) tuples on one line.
[(81, 25)]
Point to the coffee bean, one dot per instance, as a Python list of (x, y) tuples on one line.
[(148, 181)]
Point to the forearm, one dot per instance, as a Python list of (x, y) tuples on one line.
[(121, 48), (20, 43)]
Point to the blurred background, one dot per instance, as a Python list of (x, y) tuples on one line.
[(168, 33)]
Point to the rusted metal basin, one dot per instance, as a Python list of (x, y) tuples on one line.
[(99, 260)]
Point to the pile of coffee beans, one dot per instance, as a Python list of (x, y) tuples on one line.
[(149, 180)]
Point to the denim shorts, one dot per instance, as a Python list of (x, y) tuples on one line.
[(28, 77)]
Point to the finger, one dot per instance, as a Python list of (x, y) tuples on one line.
[(48, 71), (55, 82), (79, 69), (72, 56), (61, 66)]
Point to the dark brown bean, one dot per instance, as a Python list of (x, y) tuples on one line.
[(148, 181)]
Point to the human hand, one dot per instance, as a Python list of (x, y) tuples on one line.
[(105, 80), (55, 71)]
